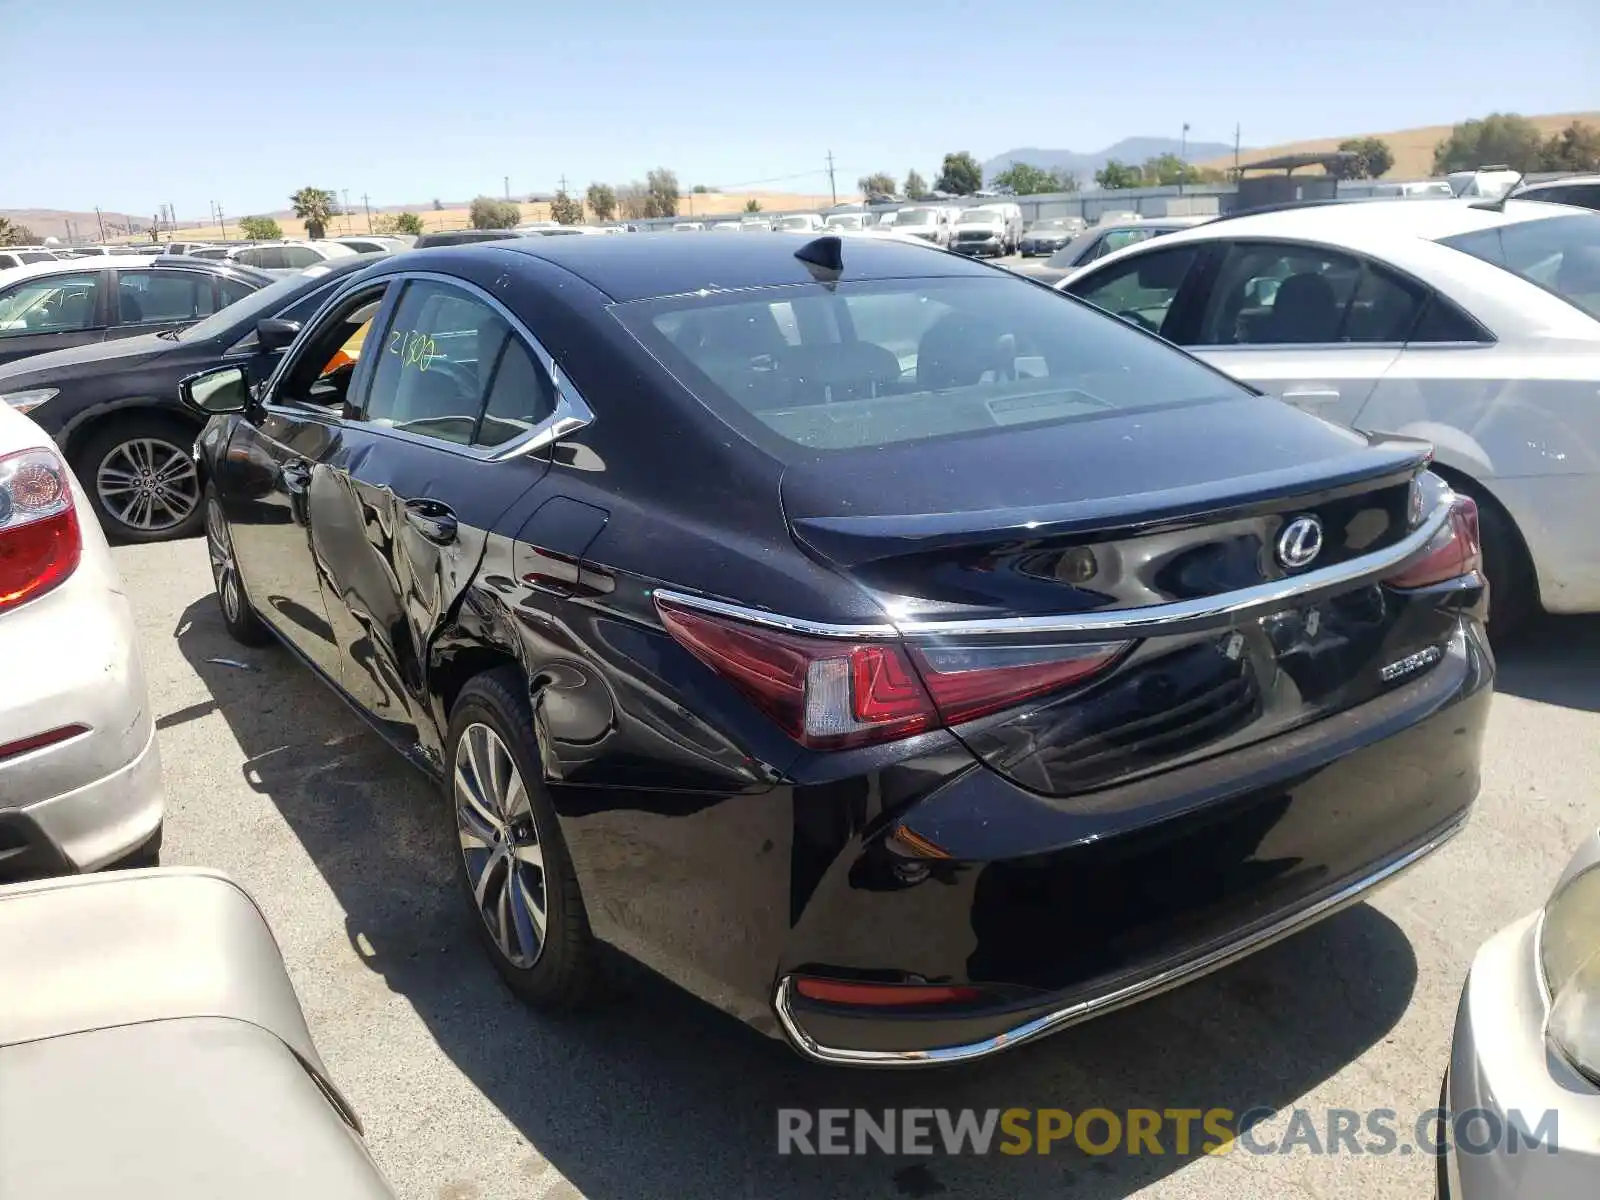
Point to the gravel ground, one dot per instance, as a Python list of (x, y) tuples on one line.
[(467, 1096)]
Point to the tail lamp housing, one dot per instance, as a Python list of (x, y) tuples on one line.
[(1456, 550), (830, 693), (40, 542)]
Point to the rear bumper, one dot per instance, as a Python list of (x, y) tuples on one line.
[(1059, 910), (101, 822)]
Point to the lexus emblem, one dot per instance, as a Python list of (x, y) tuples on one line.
[(1300, 542)]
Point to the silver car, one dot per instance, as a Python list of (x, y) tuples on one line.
[(80, 772), (1523, 1088)]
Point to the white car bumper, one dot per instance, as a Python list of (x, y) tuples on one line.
[(72, 660), (1501, 1069)]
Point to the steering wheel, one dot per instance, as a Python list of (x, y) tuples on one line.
[(1134, 317)]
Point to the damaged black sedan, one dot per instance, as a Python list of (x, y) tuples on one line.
[(904, 657)]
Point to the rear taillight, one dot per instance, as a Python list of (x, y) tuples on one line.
[(1456, 550), (39, 540), (829, 694)]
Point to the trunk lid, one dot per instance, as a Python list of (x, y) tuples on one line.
[(1168, 515)]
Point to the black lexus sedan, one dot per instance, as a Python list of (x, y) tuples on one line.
[(113, 406), (906, 658)]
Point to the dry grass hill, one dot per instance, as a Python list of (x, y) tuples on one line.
[(1413, 148)]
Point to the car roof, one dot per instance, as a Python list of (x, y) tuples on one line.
[(1564, 181), (649, 265), (76, 266), (1351, 222)]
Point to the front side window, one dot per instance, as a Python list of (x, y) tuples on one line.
[(451, 367), (52, 304), (1559, 254), (150, 297), (1140, 289), (294, 257), (909, 359), (1271, 294), (325, 359), (1116, 239)]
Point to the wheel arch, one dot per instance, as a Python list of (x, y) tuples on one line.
[(83, 425), (1484, 494)]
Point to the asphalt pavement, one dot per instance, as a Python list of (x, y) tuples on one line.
[(468, 1096)]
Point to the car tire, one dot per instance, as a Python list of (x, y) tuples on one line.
[(510, 852), (1513, 586), (143, 483), (244, 625)]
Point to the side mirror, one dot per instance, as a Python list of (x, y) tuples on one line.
[(275, 333), (220, 390)]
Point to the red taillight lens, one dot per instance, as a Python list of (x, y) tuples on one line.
[(968, 682), (882, 995), (829, 694), (1456, 550), (824, 693), (39, 539)]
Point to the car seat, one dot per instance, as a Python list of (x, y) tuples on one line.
[(832, 372), (1304, 310), (958, 349)]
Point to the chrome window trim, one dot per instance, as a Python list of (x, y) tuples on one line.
[(1130, 993), (570, 414), (1122, 622)]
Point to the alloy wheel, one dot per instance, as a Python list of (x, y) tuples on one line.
[(148, 484), (220, 548), (500, 844)]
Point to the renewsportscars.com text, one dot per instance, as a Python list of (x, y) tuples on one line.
[(1171, 1131)]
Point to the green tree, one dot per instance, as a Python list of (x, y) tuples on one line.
[(661, 188), (564, 210), (408, 222), (916, 185), (438, 206), (488, 213), (316, 207), (960, 175), (1498, 138), (1575, 148), (260, 229), (1373, 159), (879, 183), (1167, 170), (1117, 174), (1025, 179), (13, 234), (752, 205), (602, 201)]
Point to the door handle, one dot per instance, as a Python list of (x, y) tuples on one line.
[(296, 475), (433, 520), (1312, 396)]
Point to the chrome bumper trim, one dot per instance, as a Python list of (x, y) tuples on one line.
[(1130, 993)]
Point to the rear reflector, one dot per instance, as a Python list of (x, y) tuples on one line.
[(881, 995), (830, 694), (38, 741), (40, 543), (1456, 550)]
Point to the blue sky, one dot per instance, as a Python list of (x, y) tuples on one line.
[(131, 105)]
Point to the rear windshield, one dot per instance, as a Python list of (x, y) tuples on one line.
[(867, 364), (1560, 254)]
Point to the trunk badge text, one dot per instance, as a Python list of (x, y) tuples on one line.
[(1300, 542), (1410, 663)]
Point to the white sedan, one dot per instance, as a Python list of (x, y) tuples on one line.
[(80, 772), (1472, 324)]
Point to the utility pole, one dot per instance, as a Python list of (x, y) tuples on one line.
[(102, 223), (563, 183), (172, 220), (831, 186), (1236, 151), (508, 187), (367, 204), (1183, 157), (346, 210), (222, 224)]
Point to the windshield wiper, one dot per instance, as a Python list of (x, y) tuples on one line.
[(170, 334)]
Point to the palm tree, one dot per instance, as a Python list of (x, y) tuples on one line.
[(316, 207)]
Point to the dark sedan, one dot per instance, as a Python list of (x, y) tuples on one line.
[(908, 659), (1049, 235), (113, 406), (86, 301)]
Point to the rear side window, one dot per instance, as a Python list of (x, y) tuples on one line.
[(37, 256), (449, 359), (1584, 195), (146, 297), (1559, 254), (297, 256), (1272, 294), (866, 364)]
